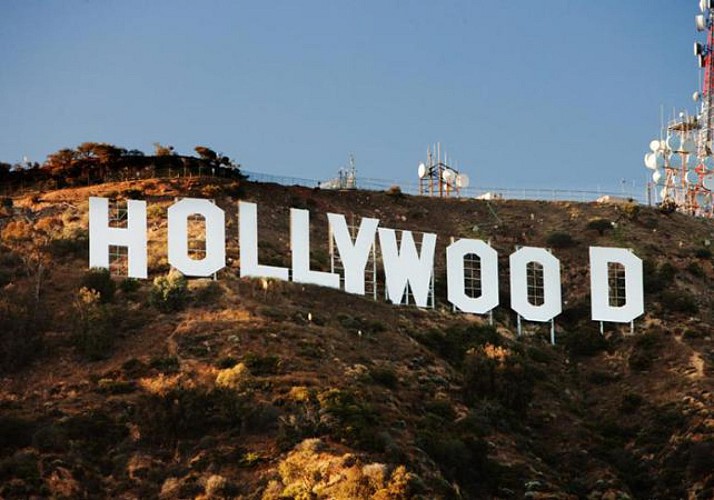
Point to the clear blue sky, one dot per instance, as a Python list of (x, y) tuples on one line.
[(548, 93)]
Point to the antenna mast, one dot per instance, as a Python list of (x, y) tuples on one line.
[(705, 22)]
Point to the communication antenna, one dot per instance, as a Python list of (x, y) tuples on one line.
[(437, 176)]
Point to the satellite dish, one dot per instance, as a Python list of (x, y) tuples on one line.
[(447, 174), (673, 142), (691, 178), (692, 161), (656, 176), (708, 162), (708, 182), (421, 171), (705, 4), (687, 146), (655, 145), (700, 22), (675, 161), (651, 161), (695, 96), (462, 181)]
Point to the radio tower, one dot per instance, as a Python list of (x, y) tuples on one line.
[(705, 22)]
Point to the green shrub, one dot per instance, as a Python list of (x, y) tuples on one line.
[(92, 325), (703, 253), (695, 269), (21, 325), (100, 280), (262, 365), (385, 376), (351, 419), (600, 225), (631, 210), (498, 373), (560, 239), (170, 292), (631, 402), (587, 341), (237, 378), (657, 278), (165, 364), (129, 285), (173, 408), (453, 343), (679, 301)]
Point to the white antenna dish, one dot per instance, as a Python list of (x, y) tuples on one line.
[(708, 182), (650, 161), (447, 175), (673, 142), (656, 176), (675, 160), (462, 181), (691, 178), (421, 171), (688, 145), (659, 160), (695, 96), (705, 4), (690, 161), (655, 145), (700, 22)]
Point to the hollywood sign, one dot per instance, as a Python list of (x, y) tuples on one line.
[(406, 267)]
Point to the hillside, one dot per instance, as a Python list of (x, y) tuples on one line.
[(240, 388)]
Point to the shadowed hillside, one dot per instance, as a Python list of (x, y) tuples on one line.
[(241, 388)]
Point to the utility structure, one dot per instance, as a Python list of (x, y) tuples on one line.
[(437, 177), (346, 177), (681, 159)]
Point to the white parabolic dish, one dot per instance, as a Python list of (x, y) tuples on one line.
[(708, 182), (656, 176), (421, 171), (462, 181)]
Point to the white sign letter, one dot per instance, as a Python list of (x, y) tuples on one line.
[(215, 218), (405, 266), (455, 278), (551, 306), (634, 305), (101, 236), (300, 247), (355, 255), (248, 242)]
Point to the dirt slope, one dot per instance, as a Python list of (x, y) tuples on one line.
[(242, 388)]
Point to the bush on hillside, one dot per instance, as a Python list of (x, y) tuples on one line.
[(498, 373), (100, 281), (170, 292), (560, 239), (21, 326), (600, 225), (92, 329)]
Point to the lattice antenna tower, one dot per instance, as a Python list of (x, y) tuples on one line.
[(437, 177)]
